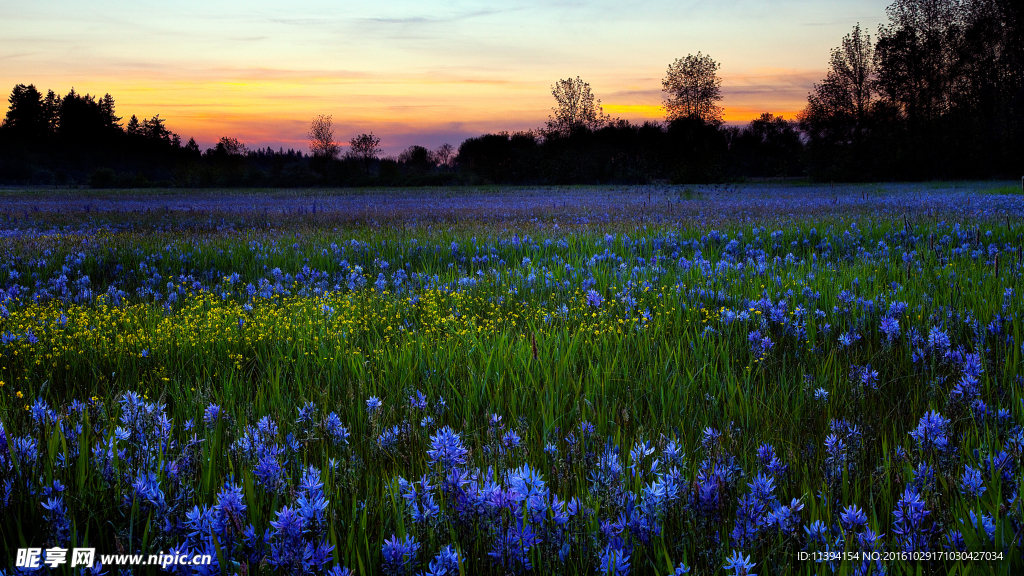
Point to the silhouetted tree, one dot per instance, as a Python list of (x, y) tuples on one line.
[(942, 95), (695, 151), (134, 127), (951, 71), (107, 107), (500, 158), (79, 138), (229, 146), (321, 138), (839, 106), (365, 148), (416, 157), (155, 130), (984, 125), (26, 119), (839, 109), (916, 56), (444, 155), (769, 146), (575, 108), (693, 88), (83, 122), (51, 111)]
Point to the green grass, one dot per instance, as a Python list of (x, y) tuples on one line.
[(1011, 190)]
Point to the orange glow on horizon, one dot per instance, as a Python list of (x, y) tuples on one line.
[(731, 114), (273, 107)]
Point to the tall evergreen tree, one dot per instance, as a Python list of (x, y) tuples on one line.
[(51, 109), (26, 118), (107, 107), (134, 127), (155, 130)]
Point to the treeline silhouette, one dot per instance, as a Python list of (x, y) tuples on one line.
[(938, 93), (683, 150)]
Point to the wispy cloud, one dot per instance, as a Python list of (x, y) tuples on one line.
[(14, 55), (433, 20)]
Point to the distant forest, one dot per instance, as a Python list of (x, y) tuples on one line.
[(937, 93)]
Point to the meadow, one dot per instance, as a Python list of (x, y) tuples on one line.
[(748, 379)]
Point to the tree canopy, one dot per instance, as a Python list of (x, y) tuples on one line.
[(321, 138), (693, 88), (575, 108)]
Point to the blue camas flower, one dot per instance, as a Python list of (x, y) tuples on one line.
[(335, 430), (971, 483), (853, 518), (446, 449), (446, 563), (613, 562), (211, 415), (890, 327), (56, 516), (373, 404), (908, 526), (739, 564), (938, 340), (399, 555), (930, 433), (287, 548)]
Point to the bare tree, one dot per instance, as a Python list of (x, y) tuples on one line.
[(575, 108), (693, 88), (365, 147), (444, 155), (321, 138)]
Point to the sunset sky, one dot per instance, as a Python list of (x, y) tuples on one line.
[(422, 72)]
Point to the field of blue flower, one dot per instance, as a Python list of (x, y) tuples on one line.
[(597, 380)]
